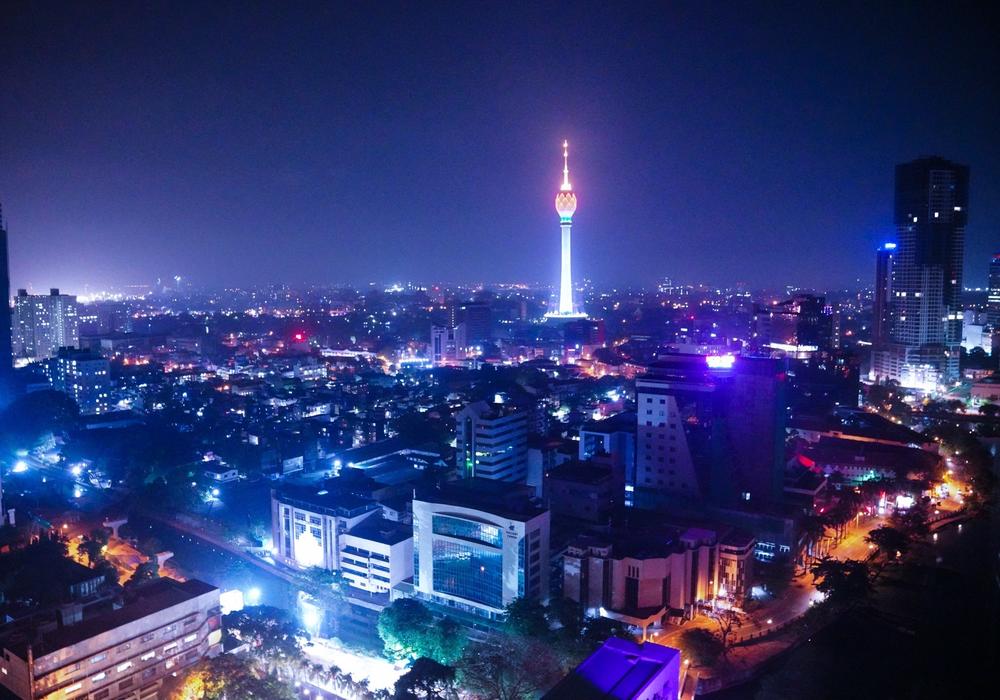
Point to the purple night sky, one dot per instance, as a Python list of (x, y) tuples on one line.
[(245, 143)]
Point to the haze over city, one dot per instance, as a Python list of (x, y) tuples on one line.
[(324, 144)]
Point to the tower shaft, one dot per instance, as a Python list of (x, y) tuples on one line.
[(566, 278)]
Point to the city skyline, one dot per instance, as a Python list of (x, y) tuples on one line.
[(280, 165)]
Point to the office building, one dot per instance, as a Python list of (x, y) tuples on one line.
[(491, 441), (624, 670), (6, 322), (103, 649), (478, 320), (376, 555), (308, 524), (478, 545), (993, 300), (43, 323), (931, 211), (84, 377), (566, 207), (882, 298), (710, 429), (448, 344)]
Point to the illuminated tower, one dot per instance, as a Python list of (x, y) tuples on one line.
[(566, 206)]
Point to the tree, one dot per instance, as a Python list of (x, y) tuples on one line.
[(842, 581), (445, 643), (728, 621), (597, 630), (814, 530), (990, 410), (226, 677), (408, 631), (426, 680), (146, 571), (526, 618), (402, 627), (888, 541), (271, 633), (94, 543), (702, 646), (505, 668)]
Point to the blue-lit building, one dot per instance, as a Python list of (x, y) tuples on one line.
[(623, 670), (478, 545)]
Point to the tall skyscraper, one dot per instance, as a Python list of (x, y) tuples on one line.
[(883, 294), (6, 325), (931, 210), (566, 207), (993, 309), (43, 323)]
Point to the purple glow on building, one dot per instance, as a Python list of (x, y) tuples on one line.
[(623, 670)]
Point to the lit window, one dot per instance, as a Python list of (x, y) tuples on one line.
[(147, 656), (124, 667), (99, 677)]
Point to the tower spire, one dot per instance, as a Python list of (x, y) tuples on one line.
[(566, 187)]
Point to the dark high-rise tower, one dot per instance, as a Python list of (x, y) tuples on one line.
[(931, 210), (6, 347), (883, 294), (994, 298)]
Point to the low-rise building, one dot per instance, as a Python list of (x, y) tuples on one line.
[(642, 577), (623, 670), (377, 555), (112, 649)]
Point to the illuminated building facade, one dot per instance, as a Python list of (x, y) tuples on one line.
[(993, 308), (882, 299), (478, 545), (43, 323), (83, 376), (308, 524), (639, 577), (112, 652), (931, 211), (566, 207)]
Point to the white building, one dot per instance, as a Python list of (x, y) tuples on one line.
[(376, 555), (448, 344), (43, 323), (308, 524), (479, 545), (114, 653)]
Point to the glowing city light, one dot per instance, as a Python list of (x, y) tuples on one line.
[(20, 466), (720, 361)]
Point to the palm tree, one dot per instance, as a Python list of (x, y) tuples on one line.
[(814, 531)]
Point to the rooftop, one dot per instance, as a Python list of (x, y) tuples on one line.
[(622, 669), (378, 529), (513, 501), (144, 600)]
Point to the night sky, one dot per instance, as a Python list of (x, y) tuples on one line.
[(252, 143)]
